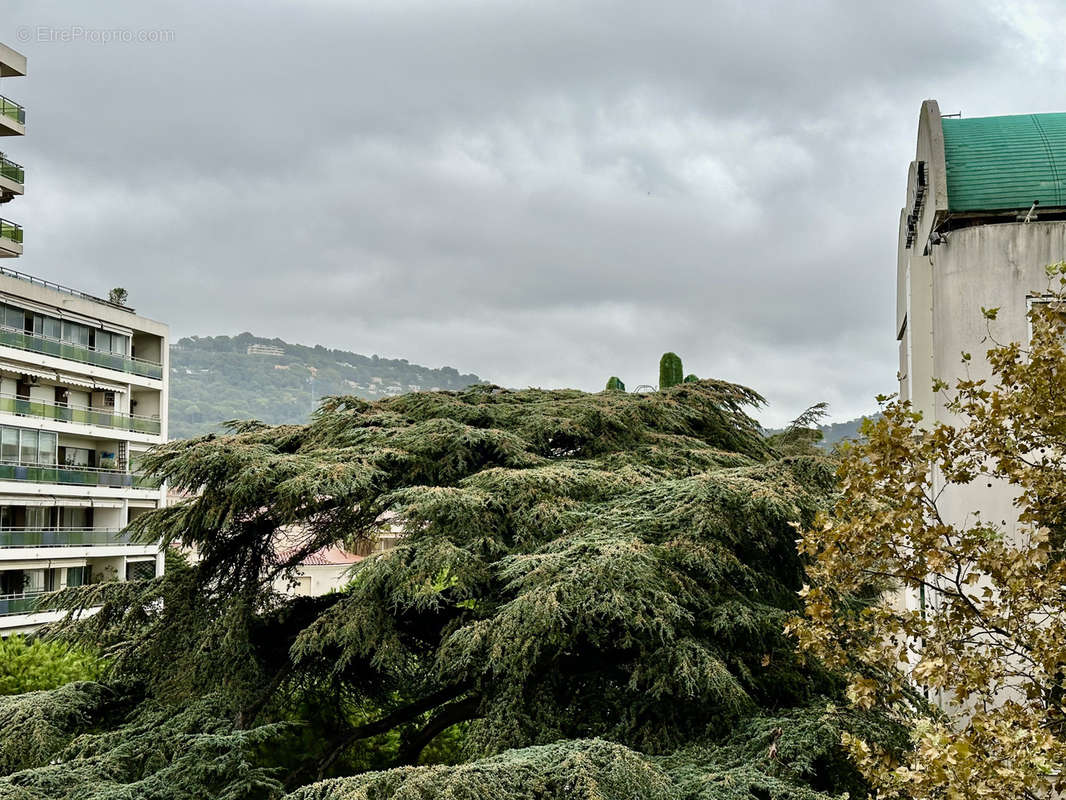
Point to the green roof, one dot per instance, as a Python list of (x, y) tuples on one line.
[(997, 163)]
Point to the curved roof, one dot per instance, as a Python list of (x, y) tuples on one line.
[(1001, 163)]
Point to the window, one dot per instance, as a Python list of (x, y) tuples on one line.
[(46, 448), (77, 576), (38, 517), (75, 334), (77, 457), (20, 446), (140, 570), (52, 328), (39, 580), (9, 445), (14, 318), (74, 518), (28, 444), (13, 581)]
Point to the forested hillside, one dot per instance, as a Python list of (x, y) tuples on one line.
[(834, 432), (214, 378)]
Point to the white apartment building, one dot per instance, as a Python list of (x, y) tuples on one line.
[(83, 394)]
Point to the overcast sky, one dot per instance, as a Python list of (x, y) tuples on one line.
[(543, 193)]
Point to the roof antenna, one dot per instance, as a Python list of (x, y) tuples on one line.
[(1031, 215)]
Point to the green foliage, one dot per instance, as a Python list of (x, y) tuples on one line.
[(615, 384), (671, 373), (36, 726), (579, 770), (160, 753), (690, 378), (213, 379), (591, 586), (31, 665)]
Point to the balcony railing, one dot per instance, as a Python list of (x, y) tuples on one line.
[(19, 603), (75, 476), (9, 230), (62, 537), (22, 276), (12, 110), (74, 352), (13, 404), (12, 171)]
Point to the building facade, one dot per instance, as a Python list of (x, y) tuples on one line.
[(985, 214), (83, 394)]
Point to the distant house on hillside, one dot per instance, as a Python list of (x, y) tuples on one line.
[(985, 214), (265, 350)]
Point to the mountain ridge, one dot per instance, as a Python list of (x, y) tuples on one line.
[(217, 378)]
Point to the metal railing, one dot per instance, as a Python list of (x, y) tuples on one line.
[(19, 603), (62, 537), (9, 230), (74, 352), (12, 171), (12, 110), (22, 276), (75, 476), (13, 404)]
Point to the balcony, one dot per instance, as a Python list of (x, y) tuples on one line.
[(10, 239), (19, 603), (73, 352), (12, 118), (12, 179), (63, 537), (75, 476), (12, 404)]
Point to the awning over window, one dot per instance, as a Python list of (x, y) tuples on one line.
[(89, 383), (19, 369)]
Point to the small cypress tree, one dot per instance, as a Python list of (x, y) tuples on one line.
[(615, 384), (670, 371), (690, 378)]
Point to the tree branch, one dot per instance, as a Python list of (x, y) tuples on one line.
[(388, 722), (449, 715)]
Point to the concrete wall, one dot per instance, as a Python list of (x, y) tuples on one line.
[(988, 266)]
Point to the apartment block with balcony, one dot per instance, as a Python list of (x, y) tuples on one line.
[(83, 395), (12, 175)]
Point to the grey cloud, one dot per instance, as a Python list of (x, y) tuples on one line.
[(543, 193)]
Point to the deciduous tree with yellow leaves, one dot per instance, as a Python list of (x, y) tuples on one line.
[(977, 666)]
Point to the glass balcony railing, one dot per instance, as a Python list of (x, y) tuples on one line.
[(12, 171), (9, 230), (12, 404), (83, 355), (64, 537), (75, 476), (12, 110), (19, 603)]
